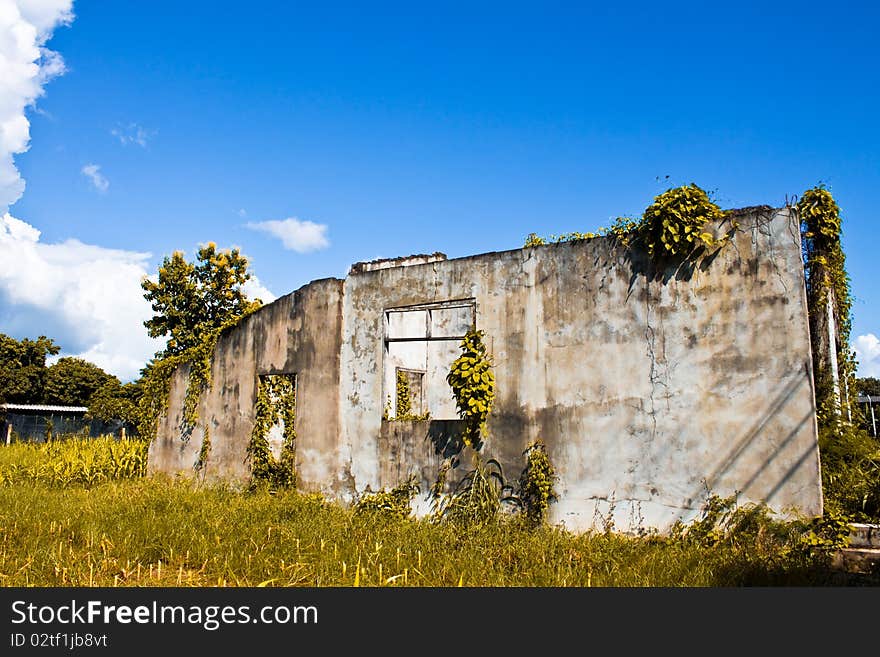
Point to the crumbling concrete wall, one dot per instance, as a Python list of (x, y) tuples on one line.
[(650, 388), (297, 334)]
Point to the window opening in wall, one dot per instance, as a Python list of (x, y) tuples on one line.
[(280, 390), (410, 393), (421, 342)]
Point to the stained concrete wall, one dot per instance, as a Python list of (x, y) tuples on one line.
[(650, 388), (297, 334)]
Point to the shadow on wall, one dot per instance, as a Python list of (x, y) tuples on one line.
[(747, 447)]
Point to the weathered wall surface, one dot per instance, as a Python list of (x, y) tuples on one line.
[(650, 389), (297, 334)]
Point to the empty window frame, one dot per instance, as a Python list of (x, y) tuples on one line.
[(279, 412), (422, 341)]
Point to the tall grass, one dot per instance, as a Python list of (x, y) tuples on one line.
[(73, 460), (129, 530)]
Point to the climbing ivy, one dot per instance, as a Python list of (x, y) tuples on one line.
[(276, 403), (473, 386), (205, 450), (827, 284), (156, 381), (404, 410)]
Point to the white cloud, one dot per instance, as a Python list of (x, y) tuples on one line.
[(867, 349), (254, 289), (26, 65), (296, 235), (133, 134), (93, 173), (87, 298)]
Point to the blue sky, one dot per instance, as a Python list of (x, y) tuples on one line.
[(371, 130)]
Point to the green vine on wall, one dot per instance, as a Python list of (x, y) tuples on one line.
[(404, 397), (205, 450), (275, 404), (673, 227), (828, 286), (156, 381), (404, 406), (473, 386)]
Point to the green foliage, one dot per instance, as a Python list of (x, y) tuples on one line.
[(396, 502), (23, 368), (275, 404), (404, 410), (200, 302), (73, 382), (477, 498), (157, 531), (868, 386), (723, 525), (473, 386), (114, 401), (194, 300), (827, 279), (535, 486), (205, 450), (622, 229), (828, 533), (72, 460), (404, 398), (850, 472), (673, 226)]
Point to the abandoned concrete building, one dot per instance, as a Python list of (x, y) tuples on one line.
[(650, 390)]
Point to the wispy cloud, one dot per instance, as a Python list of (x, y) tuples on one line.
[(867, 348), (133, 134), (295, 235), (93, 173)]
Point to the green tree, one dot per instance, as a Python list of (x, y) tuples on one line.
[(192, 299), (868, 386), (73, 381), (23, 368), (114, 401)]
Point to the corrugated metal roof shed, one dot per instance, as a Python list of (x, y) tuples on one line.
[(42, 407)]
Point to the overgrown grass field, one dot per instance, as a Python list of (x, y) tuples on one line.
[(82, 513)]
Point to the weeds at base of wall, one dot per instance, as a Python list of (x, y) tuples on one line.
[(396, 502), (723, 523), (535, 490)]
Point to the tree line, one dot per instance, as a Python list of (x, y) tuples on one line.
[(189, 300)]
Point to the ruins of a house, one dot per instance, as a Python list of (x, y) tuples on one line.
[(650, 389)]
